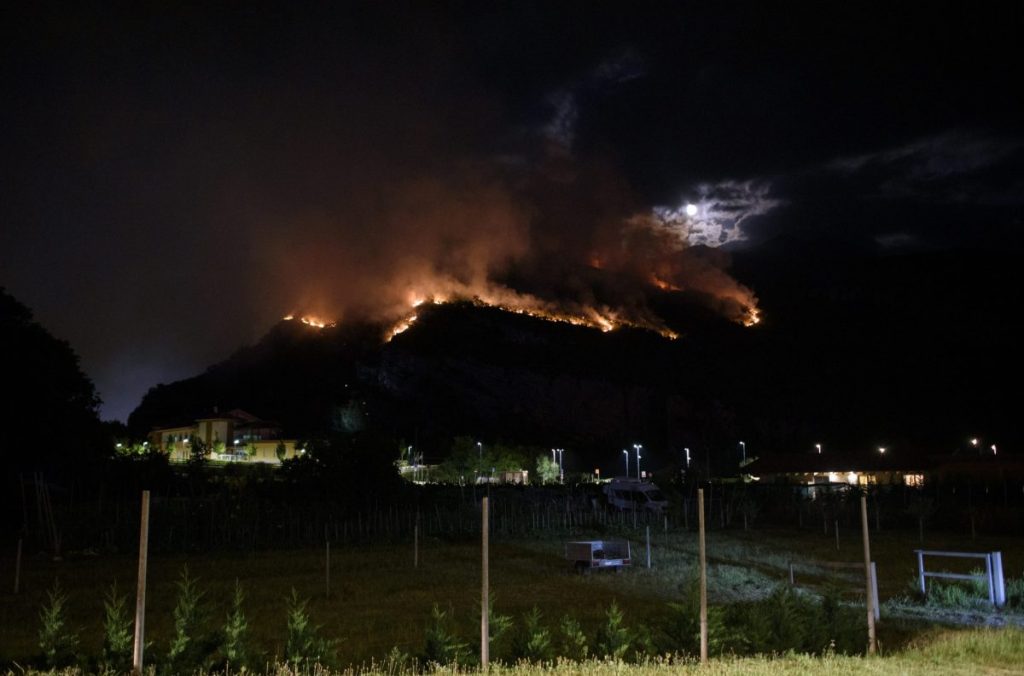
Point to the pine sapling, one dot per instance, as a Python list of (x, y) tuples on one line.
[(235, 647), (536, 639), (574, 642), (191, 646), (57, 641), (443, 645), (615, 636), (117, 632), (304, 646)]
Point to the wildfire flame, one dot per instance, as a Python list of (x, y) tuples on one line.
[(604, 321), (663, 285), (310, 320)]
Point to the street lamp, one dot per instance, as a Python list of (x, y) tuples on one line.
[(626, 453), (687, 457), (480, 461), (637, 447), (561, 467), (993, 449), (743, 446), (881, 449), (818, 446)]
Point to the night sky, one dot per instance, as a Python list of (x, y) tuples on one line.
[(175, 181)]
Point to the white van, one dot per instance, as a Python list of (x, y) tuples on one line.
[(630, 494)]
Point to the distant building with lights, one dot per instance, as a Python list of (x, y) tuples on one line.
[(236, 436), (813, 469), (886, 469)]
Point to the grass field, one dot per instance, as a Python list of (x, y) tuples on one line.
[(987, 651), (379, 601)]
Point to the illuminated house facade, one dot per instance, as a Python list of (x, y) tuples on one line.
[(236, 436), (819, 469)]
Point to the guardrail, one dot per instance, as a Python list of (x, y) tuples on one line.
[(993, 574)]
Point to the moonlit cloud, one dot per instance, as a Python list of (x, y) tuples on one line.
[(721, 211)]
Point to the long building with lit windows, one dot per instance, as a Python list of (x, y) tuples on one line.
[(835, 468), (895, 467), (236, 436)]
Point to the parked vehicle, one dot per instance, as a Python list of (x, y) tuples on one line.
[(630, 494), (586, 555)]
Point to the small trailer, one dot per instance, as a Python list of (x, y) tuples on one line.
[(586, 555)]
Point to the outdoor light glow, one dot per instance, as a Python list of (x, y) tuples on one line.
[(993, 449), (974, 442), (818, 446), (881, 449)]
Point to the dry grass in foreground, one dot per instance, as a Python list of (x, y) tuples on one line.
[(976, 651)]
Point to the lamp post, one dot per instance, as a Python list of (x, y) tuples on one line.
[(626, 453), (687, 451), (561, 467), (743, 446), (818, 446), (637, 447), (993, 449)]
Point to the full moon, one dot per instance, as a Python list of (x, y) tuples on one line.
[(691, 209)]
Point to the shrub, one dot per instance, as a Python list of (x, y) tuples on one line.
[(442, 644), (193, 644), (498, 629), (235, 646), (787, 621), (681, 632), (118, 639), (534, 641), (57, 641), (574, 643), (615, 637), (1015, 592), (305, 647), (965, 594)]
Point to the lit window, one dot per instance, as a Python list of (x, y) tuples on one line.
[(915, 480)]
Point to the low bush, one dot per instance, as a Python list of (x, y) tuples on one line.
[(57, 640), (305, 647), (118, 639)]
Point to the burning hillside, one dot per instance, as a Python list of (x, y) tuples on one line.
[(560, 242)]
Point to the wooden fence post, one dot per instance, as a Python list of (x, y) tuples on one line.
[(868, 591), (648, 547), (485, 602), (17, 568), (140, 594), (703, 580)]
